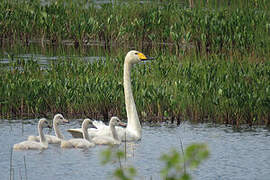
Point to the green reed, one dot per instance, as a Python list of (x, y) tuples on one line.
[(206, 29), (216, 90)]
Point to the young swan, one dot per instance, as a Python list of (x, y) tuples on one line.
[(58, 119), (111, 140), (79, 142), (42, 144)]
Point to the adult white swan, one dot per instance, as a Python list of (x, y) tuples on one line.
[(58, 119), (133, 130), (79, 142), (109, 140), (42, 144)]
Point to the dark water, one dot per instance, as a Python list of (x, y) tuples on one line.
[(47, 54), (234, 155)]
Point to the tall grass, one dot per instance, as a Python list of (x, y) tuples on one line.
[(214, 69), (213, 90), (223, 28)]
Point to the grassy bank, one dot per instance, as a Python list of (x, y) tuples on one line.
[(214, 90), (239, 27)]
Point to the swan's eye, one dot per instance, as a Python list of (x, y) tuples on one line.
[(136, 53)]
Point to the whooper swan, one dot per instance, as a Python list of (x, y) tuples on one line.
[(79, 142), (42, 144), (58, 119), (133, 130), (111, 140)]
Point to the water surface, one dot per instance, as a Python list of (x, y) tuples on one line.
[(47, 54), (234, 154)]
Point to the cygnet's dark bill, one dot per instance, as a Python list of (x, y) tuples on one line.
[(122, 124)]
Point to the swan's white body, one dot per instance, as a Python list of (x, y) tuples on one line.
[(58, 119), (79, 142), (109, 140), (133, 130), (42, 144)]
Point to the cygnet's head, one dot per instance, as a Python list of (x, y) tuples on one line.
[(44, 123), (86, 122), (134, 57), (115, 121), (59, 119)]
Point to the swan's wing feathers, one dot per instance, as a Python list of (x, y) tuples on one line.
[(104, 130), (100, 140), (76, 133), (74, 142), (77, 143), (35, 145), (66, 144), (99, 124), (25, 145), (75, 130), (84, 144), (104, 140), (52, 139), (33, 138)]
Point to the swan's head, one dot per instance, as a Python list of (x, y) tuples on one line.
[(115, 121), (134, 57), (44, 123), (59, 119), (86, 122)]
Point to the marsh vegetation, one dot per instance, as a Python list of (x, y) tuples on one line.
[(211, 62), (212, 90)]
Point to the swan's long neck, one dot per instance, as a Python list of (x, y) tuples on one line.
[(85, 132), (57, 131), (40, 132), (114, 133), (132, 115)]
